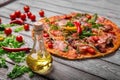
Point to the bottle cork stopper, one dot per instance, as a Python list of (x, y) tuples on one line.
[(38, 26)]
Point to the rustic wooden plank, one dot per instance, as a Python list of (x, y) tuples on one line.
[(114, 59), (92, 66), (5, 2), (67, 72), (98, 68)]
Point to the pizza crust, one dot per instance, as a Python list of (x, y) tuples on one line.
[(74, 56)]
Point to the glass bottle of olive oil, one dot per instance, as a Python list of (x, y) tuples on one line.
[(39, 60)]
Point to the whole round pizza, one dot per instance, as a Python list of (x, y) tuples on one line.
[(80, 35)]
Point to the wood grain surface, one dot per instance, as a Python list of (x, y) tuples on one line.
[(104, 68)]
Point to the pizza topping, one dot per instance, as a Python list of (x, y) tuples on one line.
[(63, 22), (78, 25), (45, 35), (60, 45), (93, 19), (91, 50), (100, 20), (107, 28), (50, 45)]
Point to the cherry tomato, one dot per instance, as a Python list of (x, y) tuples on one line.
[(50, 45), (8, 31), (19, 38), (46, 35), (33, 17), (88, 16), (95, 38), (26, 27), (17, 13), (12, 16), (41, 13), (0, 20), (23, 16), (29, 14), (26, 8), (91, 50)]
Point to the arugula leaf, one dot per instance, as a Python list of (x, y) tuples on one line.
[(78, 15), (70, 24), (93, 19), (95, 25), (66, 49), (7, 25), (11, 42), (54, 27), (3, 63), (18, 29), (86, 34), (17, 56), (18, 71)]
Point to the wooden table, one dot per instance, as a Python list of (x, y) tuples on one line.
[(91, 69)]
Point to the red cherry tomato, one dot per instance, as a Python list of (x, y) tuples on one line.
[(23, 16), (50, 45), (95, 38), (41, 13), (29, 14), (0, 20), (91, 50), (88, 16), (26, 27), (17, 13), (26, 8), (8, 31), (46, 35), (19, 38), (12, 16), (33, 17)]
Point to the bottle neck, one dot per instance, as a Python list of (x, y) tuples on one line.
[(39, 43)]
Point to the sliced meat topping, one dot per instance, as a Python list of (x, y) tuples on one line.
[(107, 28), (59, 45)]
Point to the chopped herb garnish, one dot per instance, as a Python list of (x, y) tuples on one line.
[(19, 71), (70, 24), (3, 63)]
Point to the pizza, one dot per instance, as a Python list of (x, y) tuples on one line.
[(80, 35)]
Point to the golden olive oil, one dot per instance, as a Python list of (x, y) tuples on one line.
[(39, 60), (38, 63)]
